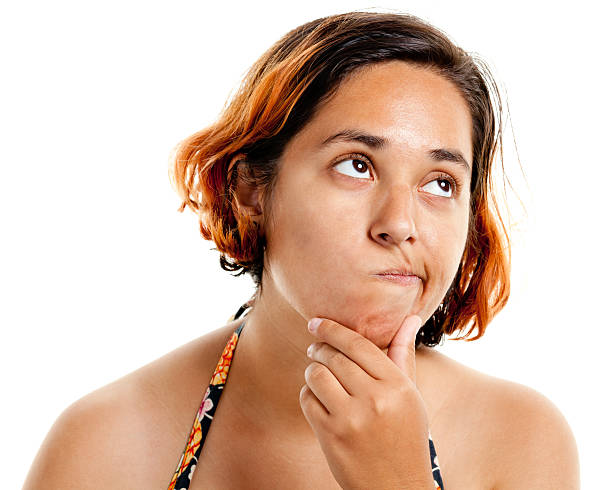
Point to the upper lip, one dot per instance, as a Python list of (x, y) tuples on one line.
[(402, 271)]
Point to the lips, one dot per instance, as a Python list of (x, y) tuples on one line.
[(398, 271), (402, 275), (401, 279)]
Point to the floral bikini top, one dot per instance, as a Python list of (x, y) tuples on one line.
[(189, 459)]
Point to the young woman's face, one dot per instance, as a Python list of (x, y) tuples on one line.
[(378, 180)]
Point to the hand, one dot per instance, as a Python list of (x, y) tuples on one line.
[(365, 409)]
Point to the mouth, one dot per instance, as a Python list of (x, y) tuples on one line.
[(399, 278)]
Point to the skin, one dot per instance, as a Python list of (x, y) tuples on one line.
[(332, 228), (365, 408), (329, 229)]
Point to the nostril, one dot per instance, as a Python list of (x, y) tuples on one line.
[(388, 238)]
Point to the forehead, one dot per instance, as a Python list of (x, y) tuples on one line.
[(413, 107)]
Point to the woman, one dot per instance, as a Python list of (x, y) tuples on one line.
[(350, 177)]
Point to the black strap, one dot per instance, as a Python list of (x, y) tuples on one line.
[(241, 310)]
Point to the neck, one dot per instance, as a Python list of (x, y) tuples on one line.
[(271, 359)]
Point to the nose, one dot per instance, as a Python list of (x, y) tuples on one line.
[(394, 219)]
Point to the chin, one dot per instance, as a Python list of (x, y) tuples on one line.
[(370, 311), (378, 325)]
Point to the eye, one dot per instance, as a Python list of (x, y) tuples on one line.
[(354, 167), (444, 184)]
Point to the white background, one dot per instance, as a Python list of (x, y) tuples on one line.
[(99, 274)]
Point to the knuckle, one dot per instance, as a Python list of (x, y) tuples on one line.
[(315, 372), (357, 344), (382, 407), (379, 405), (336, 357), (347, 428), (406, 390)]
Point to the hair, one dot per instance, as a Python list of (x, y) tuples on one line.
[(283, 90)]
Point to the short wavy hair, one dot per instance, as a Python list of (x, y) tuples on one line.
[(281, 93)]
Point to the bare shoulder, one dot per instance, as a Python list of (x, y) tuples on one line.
[(131, 432), (522, 437), (536, 447)]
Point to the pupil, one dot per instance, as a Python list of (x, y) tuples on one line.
[(360, 164)]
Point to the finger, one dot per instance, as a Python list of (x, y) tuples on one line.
[(356, 347), (312, 408), (326, 387), (401, 349), (353, 379)]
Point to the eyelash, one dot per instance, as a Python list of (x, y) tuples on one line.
[(455, 184)]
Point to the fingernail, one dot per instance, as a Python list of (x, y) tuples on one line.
[(309, 350), (313, 324)]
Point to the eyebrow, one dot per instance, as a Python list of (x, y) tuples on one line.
[(379, 143)]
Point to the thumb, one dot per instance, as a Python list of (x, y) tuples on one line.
[(401, 349)]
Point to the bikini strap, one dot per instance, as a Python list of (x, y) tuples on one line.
[(242, 309)]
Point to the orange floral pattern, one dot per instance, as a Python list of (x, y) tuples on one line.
[(187, 463)]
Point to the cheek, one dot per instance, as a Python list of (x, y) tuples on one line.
[(447, 244), (310, 248), (317, 258)]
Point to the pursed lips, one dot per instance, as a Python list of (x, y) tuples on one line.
[(402, 277)]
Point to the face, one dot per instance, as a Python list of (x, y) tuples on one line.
[(373, 182)]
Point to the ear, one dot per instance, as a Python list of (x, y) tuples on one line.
[(248, 196)]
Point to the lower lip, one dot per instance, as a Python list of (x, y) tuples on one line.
[(400, 279)]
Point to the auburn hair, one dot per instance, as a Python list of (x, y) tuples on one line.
[(280, 94)]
